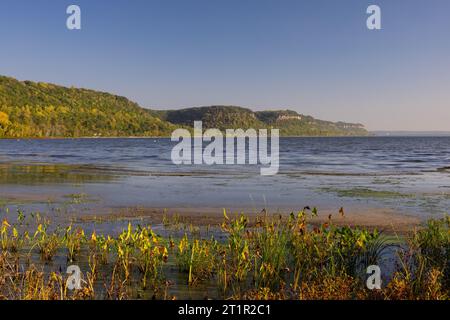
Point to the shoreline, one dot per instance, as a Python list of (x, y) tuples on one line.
[(163, 137), (387, 221), (424, 135)]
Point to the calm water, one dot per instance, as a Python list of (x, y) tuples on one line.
[(406, 174)]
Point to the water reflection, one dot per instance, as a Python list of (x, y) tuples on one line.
[(41, 174)]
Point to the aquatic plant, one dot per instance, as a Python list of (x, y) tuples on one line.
[(237, 262), (197, 258), (125, 248), (151, 255), (271, 253), (10, 239), (101, 246), (434, 243), (270, 257), (423, 271), (48, 244), (73, 240)]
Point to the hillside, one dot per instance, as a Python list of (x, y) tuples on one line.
[(36, 109), (220, 117), (293, 124), (30, 109), (289, 122)]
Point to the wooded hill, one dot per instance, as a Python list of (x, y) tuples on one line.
[(289, 122), (36, 110)]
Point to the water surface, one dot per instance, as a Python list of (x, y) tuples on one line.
[(410, 175)]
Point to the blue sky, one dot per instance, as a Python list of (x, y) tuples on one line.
[(316, 57)]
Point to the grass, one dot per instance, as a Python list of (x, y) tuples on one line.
[(424, 268), (270, 257)]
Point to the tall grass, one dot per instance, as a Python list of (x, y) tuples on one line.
[(268, 257)]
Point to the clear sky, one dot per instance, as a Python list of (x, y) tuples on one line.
[(316, 57)]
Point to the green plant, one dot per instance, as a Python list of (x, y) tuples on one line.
[(48, 244), (197, 258), (73, 240), (151, 255)]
